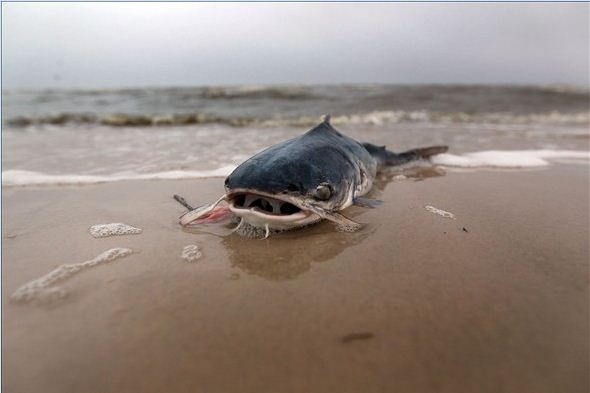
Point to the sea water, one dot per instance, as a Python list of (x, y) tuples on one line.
[(64, 137)]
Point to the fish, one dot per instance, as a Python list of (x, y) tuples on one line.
[(303, 180)]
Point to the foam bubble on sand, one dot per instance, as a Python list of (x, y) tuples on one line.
[(440, 212), (114, 229), (16, 177), (508, 158), (41, 289), (191, 253)]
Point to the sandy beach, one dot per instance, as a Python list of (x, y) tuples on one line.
[(495, 300), (456, 135)]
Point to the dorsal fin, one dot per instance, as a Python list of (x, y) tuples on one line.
[(324, 126)]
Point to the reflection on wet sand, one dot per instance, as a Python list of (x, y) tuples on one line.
[(299, 249), (318, 243), (410, 301), (302, 247), (394, 175)]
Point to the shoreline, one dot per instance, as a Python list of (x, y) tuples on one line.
[(495, 299), (478, 160)]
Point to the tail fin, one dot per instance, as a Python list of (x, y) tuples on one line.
[(388, 158)]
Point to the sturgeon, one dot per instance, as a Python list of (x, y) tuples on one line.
[(303, 180)]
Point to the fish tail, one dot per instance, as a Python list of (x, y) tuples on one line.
[(387, 158)]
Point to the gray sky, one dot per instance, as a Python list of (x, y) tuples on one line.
[(158, 44)]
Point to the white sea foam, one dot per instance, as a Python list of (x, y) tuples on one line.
[(440, 212), (41, 288), (378, 118), (114, 229), (481, 159), (191, 253), (28, 178), (508, 158)]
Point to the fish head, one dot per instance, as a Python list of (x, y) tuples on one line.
[(292, 184)]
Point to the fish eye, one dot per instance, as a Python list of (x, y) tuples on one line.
[(323, 192)]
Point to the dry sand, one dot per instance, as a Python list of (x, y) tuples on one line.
[(411, 303)]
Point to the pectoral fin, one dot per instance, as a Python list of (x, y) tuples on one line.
[(344, 224)]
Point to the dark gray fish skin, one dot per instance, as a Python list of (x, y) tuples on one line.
[(298, 166), (319, 173)]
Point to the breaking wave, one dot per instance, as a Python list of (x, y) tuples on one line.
[(257, 92), (368, 118), (128, 120)]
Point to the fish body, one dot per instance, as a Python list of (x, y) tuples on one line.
[(308, 178)]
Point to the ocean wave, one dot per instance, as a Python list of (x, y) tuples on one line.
[(16, 177), (383, 117), (128, 120), (369, 118), (257, 92)]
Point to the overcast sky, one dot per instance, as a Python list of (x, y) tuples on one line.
[(179, 44)]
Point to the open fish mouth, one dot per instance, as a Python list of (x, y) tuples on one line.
[(260, 208), (264, 210)]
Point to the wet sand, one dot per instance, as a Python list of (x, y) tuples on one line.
[(493, 301)]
